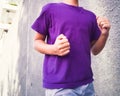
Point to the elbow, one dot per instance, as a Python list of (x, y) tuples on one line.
[(95, 52), (35, 46)]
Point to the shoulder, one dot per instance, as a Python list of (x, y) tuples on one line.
[(50, 6), (90, 13)]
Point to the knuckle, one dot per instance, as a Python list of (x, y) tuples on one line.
[(68, 43), (58, 47), (66, 39), (69, 48), (61, 54)]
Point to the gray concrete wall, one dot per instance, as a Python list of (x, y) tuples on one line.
[(106, 65), (23, 74)]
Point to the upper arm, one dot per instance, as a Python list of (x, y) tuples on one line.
[(39, 36), (92, 43)]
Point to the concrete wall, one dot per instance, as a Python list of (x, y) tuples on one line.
[(22, 74), (106, 65)]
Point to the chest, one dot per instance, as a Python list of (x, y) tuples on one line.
[(72, 18)]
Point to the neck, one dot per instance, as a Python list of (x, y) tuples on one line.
[(71, 2)]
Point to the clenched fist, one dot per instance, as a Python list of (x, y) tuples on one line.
[(104, 25), (61, 45)]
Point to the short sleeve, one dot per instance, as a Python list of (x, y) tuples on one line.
[(41, 24), (95, 30)]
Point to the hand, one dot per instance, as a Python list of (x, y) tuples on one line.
[(104, 25), (61, 45)]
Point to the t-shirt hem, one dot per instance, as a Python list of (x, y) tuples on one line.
[(70, 85)]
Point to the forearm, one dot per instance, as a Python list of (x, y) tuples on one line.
[(44, 48), (99, 44), (61, 47)]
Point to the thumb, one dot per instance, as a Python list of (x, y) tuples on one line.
[(97, 17), (61, 36)]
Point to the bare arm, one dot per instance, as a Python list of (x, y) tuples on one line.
[(61, 46), (104, 26)]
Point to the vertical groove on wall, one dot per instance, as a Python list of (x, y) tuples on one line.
[(28, 39)]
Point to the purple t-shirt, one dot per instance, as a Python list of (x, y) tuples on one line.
[(80, 27)]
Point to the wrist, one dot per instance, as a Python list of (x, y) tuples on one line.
[(53, 50), (106, 34)]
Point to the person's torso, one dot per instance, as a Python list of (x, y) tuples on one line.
[(76, 24)]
